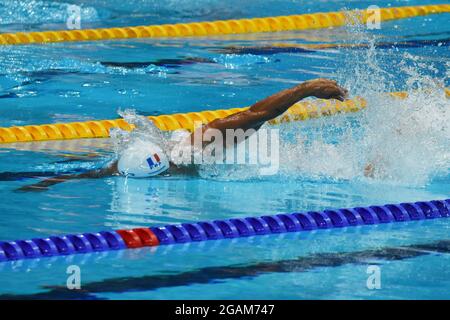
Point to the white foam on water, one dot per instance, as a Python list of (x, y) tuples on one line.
[(394, 141), (403, 141), (145, 129)]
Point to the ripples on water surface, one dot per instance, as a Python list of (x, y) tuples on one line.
[(322, 160)]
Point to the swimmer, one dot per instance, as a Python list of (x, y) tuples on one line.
[(154, 161)]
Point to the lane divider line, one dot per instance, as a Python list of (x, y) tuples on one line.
[(222, 27), (101, 128), (222, 229)]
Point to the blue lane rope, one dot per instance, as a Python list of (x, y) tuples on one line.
[(222, 229)]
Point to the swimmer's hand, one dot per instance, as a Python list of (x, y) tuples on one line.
[(325, 89), (31, 188), (369, 171)]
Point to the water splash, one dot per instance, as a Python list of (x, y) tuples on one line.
[(145, 129), (407, 141), (394, 141)]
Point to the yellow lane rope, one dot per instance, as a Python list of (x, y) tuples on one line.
[(100, 129), (221, 27)]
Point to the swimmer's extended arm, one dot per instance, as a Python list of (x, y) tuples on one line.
[(275, 105), (44, 184), (252, 118)]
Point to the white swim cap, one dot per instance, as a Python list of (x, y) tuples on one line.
[(143, 159)]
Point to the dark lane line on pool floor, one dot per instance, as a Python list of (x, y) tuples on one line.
[(311, 48), (209, 275)]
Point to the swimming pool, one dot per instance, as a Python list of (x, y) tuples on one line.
[(82, 81)]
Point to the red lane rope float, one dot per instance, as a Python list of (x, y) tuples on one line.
[(221, 229), (140, 237)]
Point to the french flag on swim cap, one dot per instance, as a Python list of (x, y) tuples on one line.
[(154, 160)]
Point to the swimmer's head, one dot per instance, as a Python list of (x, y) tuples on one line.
[(142, 159)]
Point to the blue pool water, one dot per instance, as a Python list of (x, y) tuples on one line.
[(324, 169)]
